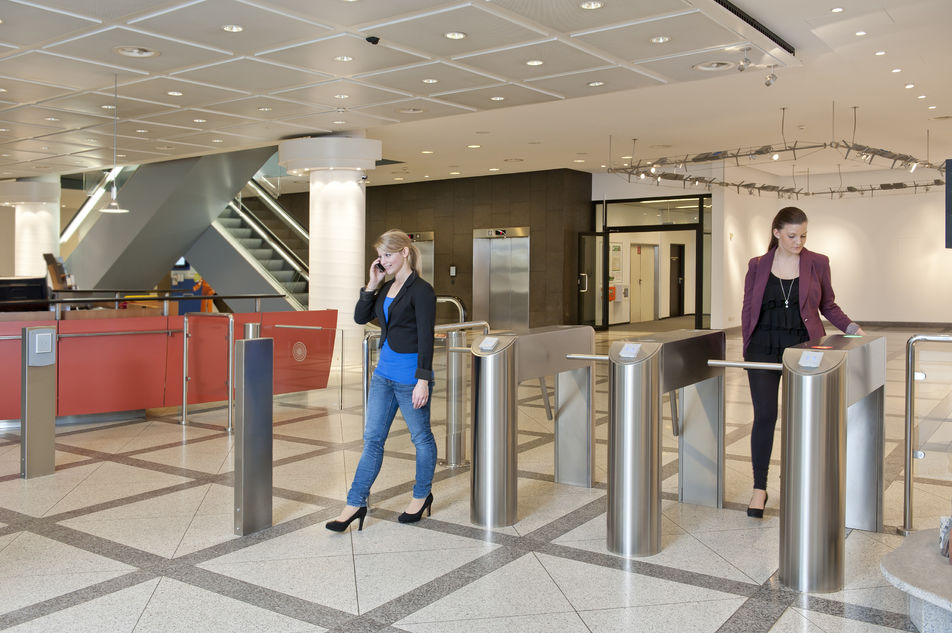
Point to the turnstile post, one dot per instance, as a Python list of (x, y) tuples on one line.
[(38, 402), (813, 474), (455, 435), (495, 442), (634, 452), (254, 378)]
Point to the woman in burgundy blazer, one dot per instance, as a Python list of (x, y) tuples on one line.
[(786, 290)]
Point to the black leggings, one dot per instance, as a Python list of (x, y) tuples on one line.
[(764, 389)]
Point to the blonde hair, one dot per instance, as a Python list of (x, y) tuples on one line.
[(396, 240)]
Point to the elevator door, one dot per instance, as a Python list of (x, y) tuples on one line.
[(424, 242), (501, 277)]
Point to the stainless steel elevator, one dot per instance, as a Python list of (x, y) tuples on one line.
[(501, 277)]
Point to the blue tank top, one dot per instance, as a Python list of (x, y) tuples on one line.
[(393, 365)]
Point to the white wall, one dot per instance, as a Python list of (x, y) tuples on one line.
[(887, 252)]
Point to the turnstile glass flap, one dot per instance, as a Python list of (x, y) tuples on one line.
[(865, 361), (541, 351)]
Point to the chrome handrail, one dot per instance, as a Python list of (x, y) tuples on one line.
[(455, 301), (231, 364), (910, 430)]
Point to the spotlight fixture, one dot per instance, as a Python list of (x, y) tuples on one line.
[(430, 81), (775, 157), (660, 39), (454, 35), (595, 84), (232, 28), (770, 79), (343, 58), (174, 93), (745, 63)]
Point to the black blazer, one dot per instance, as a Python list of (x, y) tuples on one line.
[(412, 315)]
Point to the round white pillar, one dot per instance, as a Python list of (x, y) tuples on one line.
[(36, 223), (337, 207)]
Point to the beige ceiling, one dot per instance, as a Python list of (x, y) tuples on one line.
[(601, 78)]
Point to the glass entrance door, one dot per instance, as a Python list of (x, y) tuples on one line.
[(591, 262)]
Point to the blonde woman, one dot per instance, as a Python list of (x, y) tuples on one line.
[(405, 309)]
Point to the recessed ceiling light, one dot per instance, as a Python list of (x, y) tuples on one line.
[(339, 122), (474, 146), (908, 86), (431, 81), (497, 98), (174, 93), (880, 53), (454, 173), (264, 109), (660, 39), (44, 147), (713, 66), (108, 106), (578, 160), (343, 58), (921, 97), (217, 140), (860, 33), (142, 131), (454, 35), (2, 89), (135, 51), (342, 96), (595, 84), (398, 178), (198, 120), (51, 118), (775, 156), (120, 155), (426, 151), (91, 140), (534, 62), (232, 28), (493, 169), (591, 4), (932, 107), (897, 70), (836, 10), (411, 110)]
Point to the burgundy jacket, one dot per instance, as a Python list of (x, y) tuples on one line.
[(816, 294)]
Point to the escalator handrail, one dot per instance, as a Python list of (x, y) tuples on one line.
[(278, 210), (274, 241)]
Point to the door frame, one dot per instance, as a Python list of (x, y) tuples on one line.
[(697, 227)]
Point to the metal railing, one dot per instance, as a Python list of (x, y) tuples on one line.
[(340, 390), (456, 301), (231, 362), (910, 434), (131, 296)]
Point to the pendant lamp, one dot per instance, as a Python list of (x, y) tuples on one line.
[(113, 207)]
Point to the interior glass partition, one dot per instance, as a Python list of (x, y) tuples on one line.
[(655, 261)]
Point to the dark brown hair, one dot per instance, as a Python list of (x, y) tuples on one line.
[(786, 215)]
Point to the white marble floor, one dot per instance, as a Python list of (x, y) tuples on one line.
[(134, 532)]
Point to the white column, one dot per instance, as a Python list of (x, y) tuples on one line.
[(337, 262), (36, 223)]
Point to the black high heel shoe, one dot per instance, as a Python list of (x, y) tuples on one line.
[(340, 526), (406, 517), (758, 513)]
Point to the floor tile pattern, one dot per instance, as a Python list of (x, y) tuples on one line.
[(134, 531)]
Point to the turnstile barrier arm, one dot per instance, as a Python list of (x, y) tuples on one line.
[(743, 364)]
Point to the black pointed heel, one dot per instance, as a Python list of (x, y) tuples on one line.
[(340, 526), (406, 517), (758, 513)]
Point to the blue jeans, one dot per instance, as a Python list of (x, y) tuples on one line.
[(384, 398)]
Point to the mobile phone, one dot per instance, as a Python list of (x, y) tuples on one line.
[(380, 267)]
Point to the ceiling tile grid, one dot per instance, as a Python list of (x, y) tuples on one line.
[(250, 72)]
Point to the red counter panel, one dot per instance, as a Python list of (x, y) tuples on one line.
[(96, 374), (302, 358)]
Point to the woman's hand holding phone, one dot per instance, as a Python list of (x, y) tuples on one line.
[(377, 274)]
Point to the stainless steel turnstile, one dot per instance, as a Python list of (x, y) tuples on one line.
[(254, 438), (500, 363), (831, 455), (640, 372), (38, 401)]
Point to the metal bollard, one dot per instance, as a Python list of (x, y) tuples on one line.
[(252, 330), (494, 471), (813, 475), (634, 450), (455, 435), (38, 402), (254, 374)]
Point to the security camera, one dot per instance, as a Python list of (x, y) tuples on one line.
[(373, 39), (363, 177)]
